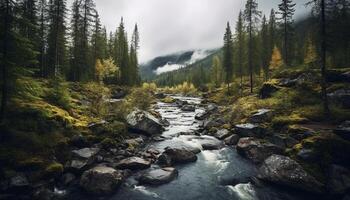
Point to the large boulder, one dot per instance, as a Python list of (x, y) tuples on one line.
[(256, 150), (214, 122), (262, 115), (133, 163), (284, 171), (176, 155), (249, 130), (159, 176), (209, 143), (82, 159), (188, 108), (101, 180), (232, 140), (222, 134), (339, 180), (341, 97), (267, 90), (343, 130), (144, 122)]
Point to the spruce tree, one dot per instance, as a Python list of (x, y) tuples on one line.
[(12, 42), (251, 15), (286, 12), (134, 76), (122, 53), (265, 51), (228, 56), (56, 55), (42, 10), (272, 31), (240, 46), (216, 72)]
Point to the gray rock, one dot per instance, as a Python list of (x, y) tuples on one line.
[(144, 122), (188, 108), (262, 115), (79, 141), (249, 130), (307, 155), (68, 178), (133, 163), (180, 103), (85, 153), (222, 134), (201, 115), (101, 180), (209, 143), (159, 176), (19, 181), (339, 180), (343, 130), (341, 97), (256, 150), (232, 140), (78, 165), (283, 141), (134, 142), (174, 156), (211, 123), (285, 171)]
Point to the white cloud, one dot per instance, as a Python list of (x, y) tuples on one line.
[(168, 26)]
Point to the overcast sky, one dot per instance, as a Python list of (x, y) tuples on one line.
[(168, 26)]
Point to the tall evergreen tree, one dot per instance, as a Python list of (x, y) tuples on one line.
[(240, 46), (286, 10), (228, 56), (134, 75), (272, 31), (122, 53), (56, 54), (42, 9), (216, 72), (251, 15), (12, 42), (265, 51)]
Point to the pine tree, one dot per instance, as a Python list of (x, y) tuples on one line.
[(251, 15), (320, 6), (42, 37), (265, 52), (286, 10), (56, 54), (134, 76), (240, 46), (12, 42), (216, 72), (122, 53), (228, 56), (272, 31), (276, 59)]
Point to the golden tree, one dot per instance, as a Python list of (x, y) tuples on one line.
[(276, 59), (310, 55)]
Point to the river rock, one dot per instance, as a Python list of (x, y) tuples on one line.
[(262, 115), (101, 180), (188, 108), (282, 170), (173, 156), (19, 182), (341, 97), (339, 180), (209, 143), (144, 122), (82, 159), (249, 130), (256, 150), (133, 163), (215, 122), (343, 130), (159, 176), (283, 141), (307, 155), (201, 115), (222, 134), (180, 103), (79, 141), (232, 140)]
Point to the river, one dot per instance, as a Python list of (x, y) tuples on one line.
[(208, 177)]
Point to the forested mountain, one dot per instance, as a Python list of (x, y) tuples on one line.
[(171, 62)]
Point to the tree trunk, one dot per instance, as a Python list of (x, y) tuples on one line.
[(4, 95), (323, 59), (250, 50)]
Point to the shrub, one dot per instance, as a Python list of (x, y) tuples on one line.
[(59, 93), (54, 169), (149, 87), (140, 98)]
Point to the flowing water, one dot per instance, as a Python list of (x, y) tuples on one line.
[(205, 179)]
